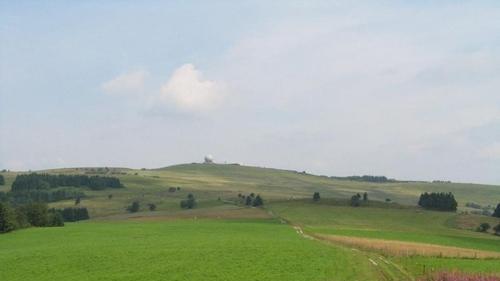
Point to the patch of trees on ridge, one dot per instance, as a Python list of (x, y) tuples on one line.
[(36, 181), (438, 201), (50, 188), (367, 178)]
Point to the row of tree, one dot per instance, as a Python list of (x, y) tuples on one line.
[(34, 181), (367, 178), (484, 227), (438, 201), (251, 199), (32, 214), (41, 195), (72, 214)]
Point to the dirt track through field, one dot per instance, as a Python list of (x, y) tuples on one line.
[(401, 248)]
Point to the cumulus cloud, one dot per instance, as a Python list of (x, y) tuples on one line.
[(126, 84), (187, 90)]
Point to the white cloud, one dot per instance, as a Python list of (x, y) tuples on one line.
[(187, 90), (126, 84)]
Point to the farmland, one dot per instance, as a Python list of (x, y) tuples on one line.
[(222, 239)]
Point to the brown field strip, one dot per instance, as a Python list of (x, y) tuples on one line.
[(401, 248)]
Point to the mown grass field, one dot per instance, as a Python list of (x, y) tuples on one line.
[(175, 250)]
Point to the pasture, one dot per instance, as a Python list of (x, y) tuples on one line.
[(175, 250), (221, 239)]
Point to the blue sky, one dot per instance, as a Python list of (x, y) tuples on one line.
[(332, 87)]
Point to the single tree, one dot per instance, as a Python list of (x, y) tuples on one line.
[(483, 227), (77, 201), (258, 201), (356, 200), (248, 201), (110, 196), (2, 180), (152, 207), (496, 213), (365, 197), (316, 197), (189, 203)]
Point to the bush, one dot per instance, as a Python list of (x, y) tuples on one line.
[(316, 197), (152, 207), (483, 227), (134, 207)]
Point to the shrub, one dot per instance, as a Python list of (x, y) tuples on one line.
[(152, 207), (134, 207)]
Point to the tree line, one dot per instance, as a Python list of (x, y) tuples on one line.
[(36, 181), (72, 214), (438, 201), (367, 178), (41, 195), (251, 199)]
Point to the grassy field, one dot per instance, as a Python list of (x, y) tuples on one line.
[(385, 221), (223, 240), (210, 182), (175, 250)]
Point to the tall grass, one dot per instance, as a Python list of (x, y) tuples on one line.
[(459, 276)]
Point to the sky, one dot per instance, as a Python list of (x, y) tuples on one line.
[(406, 89)]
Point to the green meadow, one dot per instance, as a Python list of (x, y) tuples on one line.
[(176, 250), (221, 239)]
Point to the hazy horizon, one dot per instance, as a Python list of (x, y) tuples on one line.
[(405, 90)]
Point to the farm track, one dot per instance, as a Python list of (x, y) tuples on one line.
[(387, 269)]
